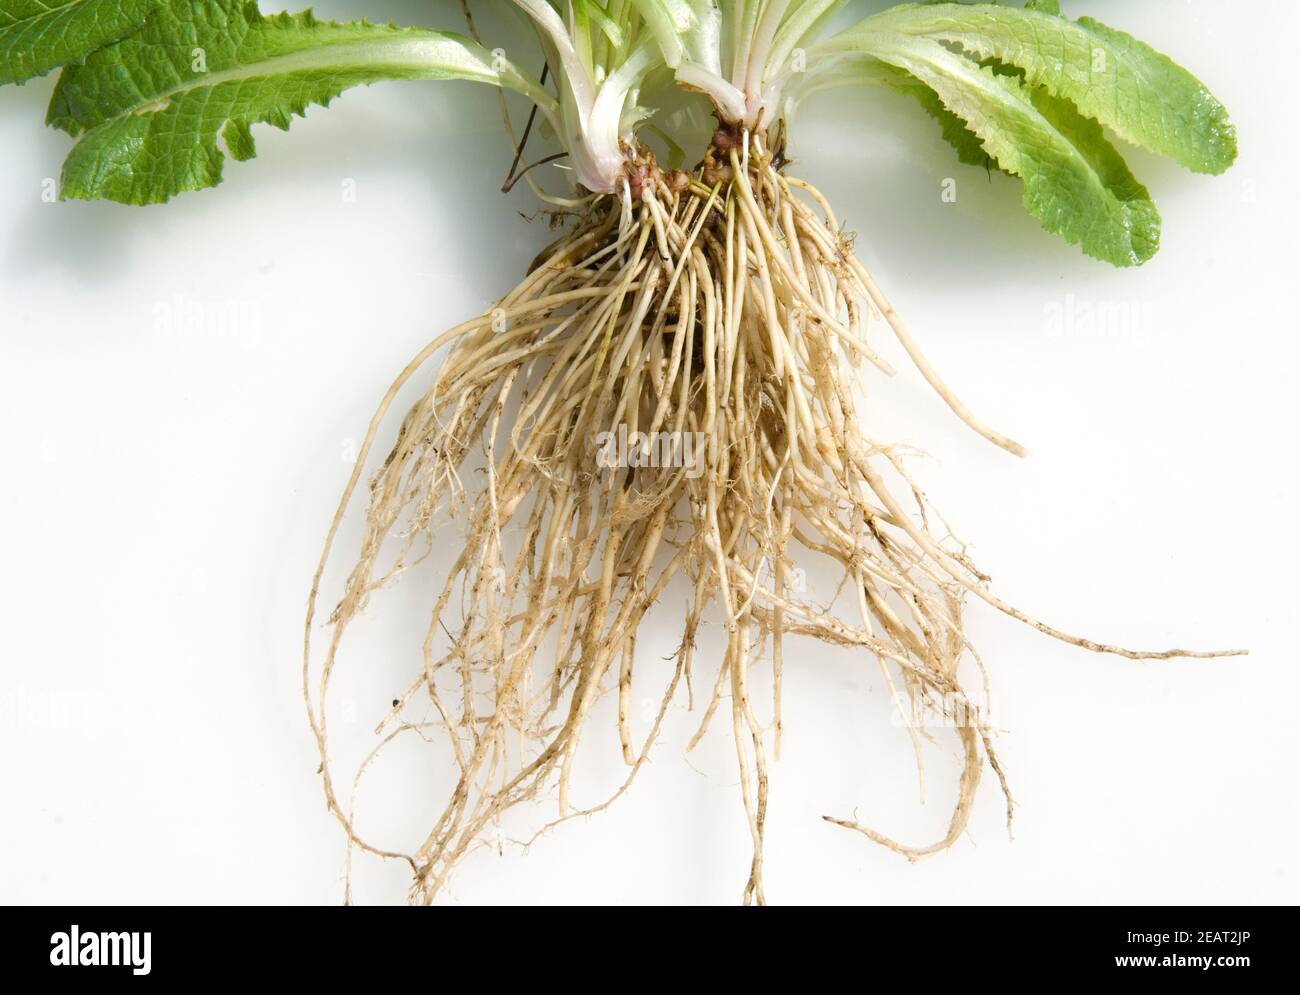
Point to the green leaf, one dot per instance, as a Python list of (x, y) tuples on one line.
[(150, 108), (969, 148), (1141, 95), (39, 35), (1046, 6), (597, 16), (802, 26), (685, 30), (868, 71), (1076, 183)]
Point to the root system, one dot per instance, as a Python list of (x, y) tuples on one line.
[(721, 323)]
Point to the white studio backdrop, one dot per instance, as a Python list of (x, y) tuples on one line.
[(183, 390)]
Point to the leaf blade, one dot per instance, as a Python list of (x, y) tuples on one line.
[(149, 110), (868, 71), (1076, 183), (1142, 95), (37, 36)]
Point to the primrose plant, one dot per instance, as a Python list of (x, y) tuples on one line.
[(721, 304)]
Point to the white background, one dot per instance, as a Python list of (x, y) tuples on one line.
[(165, 486)]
